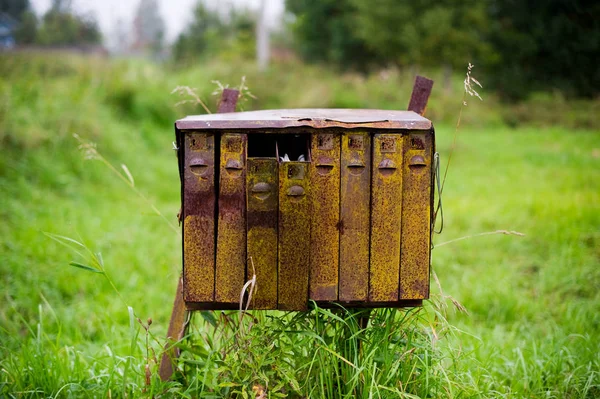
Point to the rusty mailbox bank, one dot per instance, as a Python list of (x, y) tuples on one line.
[(331, 205)]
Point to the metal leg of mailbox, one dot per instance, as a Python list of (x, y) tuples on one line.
[(177, 329), (177, 324)]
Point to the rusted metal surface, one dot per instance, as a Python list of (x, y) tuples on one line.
[(294, 235), (351, 225), (262, 192), (175, 332), (416, 213), (231, 231), (354, 216), (199, 218), (228, 101), (420, 95), (324, 232), (312, 118), (386, 214)]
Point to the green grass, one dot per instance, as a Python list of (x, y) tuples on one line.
[(532, 327)]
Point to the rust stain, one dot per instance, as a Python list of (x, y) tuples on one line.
[(416, 213), (198, 226), (294, 235), (386, 215), (324, 233), (231, 226), (355, 216), (262, 202)]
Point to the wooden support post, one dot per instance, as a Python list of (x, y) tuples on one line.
[(228, 101), (177, 324), (418, 103), (420, 95)]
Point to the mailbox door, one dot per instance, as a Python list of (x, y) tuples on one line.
[(355, 216), (416, 216), (386, 217), (262, 198), (324, 232), (230, 266), (199, 217), (294, 235)]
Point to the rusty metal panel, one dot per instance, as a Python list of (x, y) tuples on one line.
[(416, 213), (294, 235), (308, 118), (386, 214), (199, 218), (354, 216), (263, 190), (231, 226), (324, 232)]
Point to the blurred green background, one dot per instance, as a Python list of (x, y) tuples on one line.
[(527, 159)]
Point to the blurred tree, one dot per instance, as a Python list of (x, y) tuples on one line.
[(15, 8), (26, 32), (325, 30), (20, 10), (231, 35), (148, 28), (61, 5), (553, 44), (60, 26), (424, 32), (522, 45), (197, 38)]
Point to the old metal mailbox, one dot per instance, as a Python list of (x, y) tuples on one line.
[(332, 205)]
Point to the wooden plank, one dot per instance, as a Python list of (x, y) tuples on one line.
[(175, 332), (420, 95), (228, 101)]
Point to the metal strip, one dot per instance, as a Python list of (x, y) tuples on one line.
[(199, 214), (354, 216), (324, 232), (416, 217), (386, 217), (294, 235), (231, 225), (262, 199)]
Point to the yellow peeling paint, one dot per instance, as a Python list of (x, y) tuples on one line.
[(231, 226), (416, 222), (324, 232), (386, 214)]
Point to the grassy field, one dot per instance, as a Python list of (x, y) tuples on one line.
[(532, 325)]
